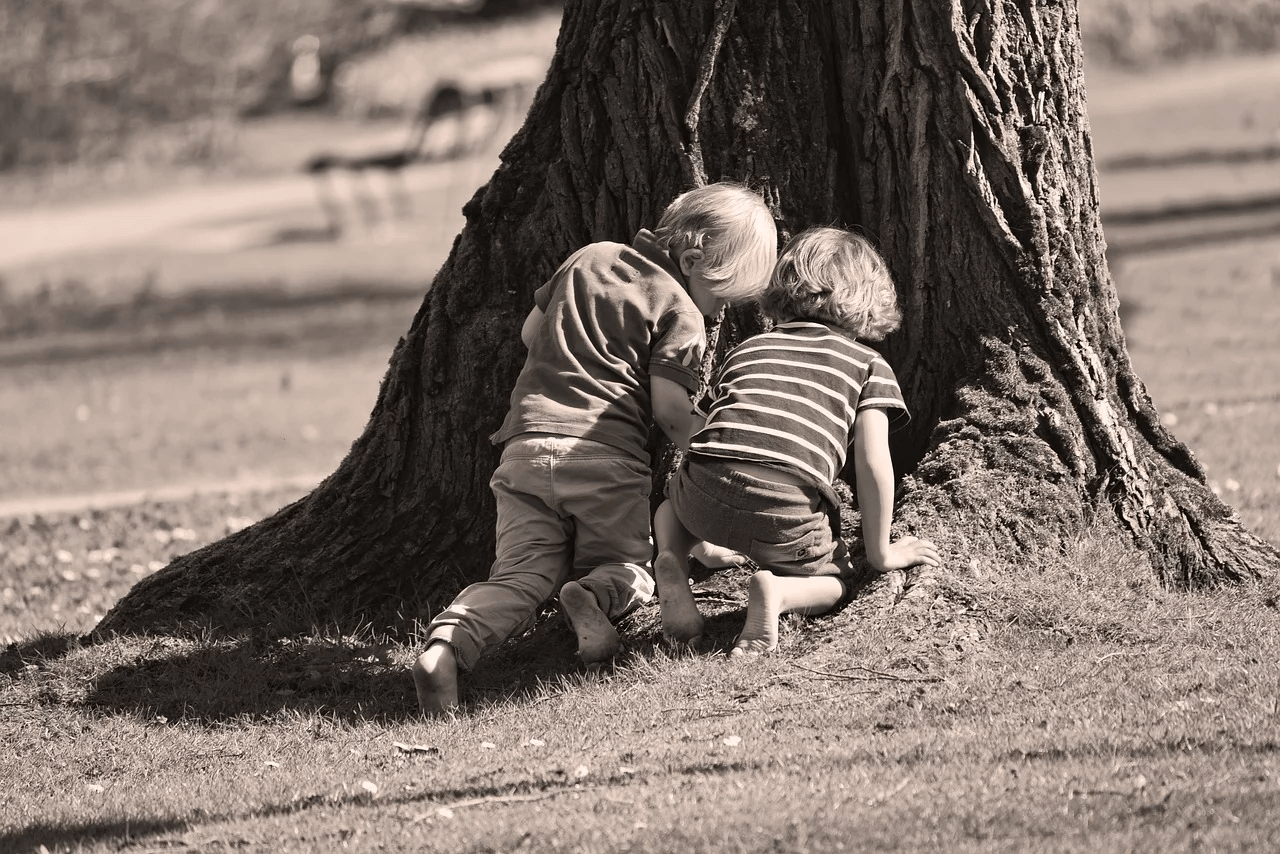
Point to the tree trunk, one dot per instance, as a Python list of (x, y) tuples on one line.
[(953, 134)]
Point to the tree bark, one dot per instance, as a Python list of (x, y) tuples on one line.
[(955, 135)]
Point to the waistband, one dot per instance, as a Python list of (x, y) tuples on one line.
[(776, 478), (555, 443)]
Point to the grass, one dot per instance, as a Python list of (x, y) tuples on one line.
[(215, 389), (1201, 329), (1073, 707)]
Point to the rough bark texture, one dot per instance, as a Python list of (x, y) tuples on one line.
[(954, 134)]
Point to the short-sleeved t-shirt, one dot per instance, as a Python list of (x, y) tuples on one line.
[(615, 316), (789, 397)]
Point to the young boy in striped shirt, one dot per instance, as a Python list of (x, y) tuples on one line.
[(779, 419)]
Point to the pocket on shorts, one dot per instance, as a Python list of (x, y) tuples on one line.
[(814, 545)]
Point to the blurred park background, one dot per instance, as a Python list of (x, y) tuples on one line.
[(195, 295)]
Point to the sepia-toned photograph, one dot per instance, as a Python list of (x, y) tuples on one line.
[(388, 390)]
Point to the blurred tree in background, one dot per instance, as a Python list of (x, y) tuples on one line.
[(80, 78), (1147, 33)]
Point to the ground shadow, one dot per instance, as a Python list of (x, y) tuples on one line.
[(16, 657), (207, 679), (82, 325), (299, 234), (1161, 161), (210, 681), (63, 837)]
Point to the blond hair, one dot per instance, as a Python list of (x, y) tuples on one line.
[(735, 231), (833, 275)]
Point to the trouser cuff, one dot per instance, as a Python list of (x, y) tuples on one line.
[(464, 649)]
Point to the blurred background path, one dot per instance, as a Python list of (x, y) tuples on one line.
[(224, 217), (1226, 112)]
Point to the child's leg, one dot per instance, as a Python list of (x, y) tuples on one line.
[(435, 676), (607, 495), (595, 602), (681, 621), (769, 596), (533, 552), (482, 616)]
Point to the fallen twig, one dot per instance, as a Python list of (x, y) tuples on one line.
[(500, 799), (889, 795), (715, 597), (1114, 654), (872, 674)]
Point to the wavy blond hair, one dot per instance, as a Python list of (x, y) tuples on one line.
[(836, 276), (733, 227)]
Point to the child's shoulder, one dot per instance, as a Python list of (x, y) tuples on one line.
[(818, 330), (621, 274), (607, 256), (601, 250), (810, 334)]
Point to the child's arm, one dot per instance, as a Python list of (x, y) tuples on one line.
[(673, 411), (530, 328), (874, 470)]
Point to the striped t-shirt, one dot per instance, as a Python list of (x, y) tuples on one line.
[(789, 397)]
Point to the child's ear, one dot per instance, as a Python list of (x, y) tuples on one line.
[(690, 260)]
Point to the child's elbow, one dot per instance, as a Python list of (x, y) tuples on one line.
[(673, 430)]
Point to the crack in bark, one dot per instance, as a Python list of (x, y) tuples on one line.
[(1135, 501), (893, 56)]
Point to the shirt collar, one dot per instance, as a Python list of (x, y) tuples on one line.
[(647, 245)]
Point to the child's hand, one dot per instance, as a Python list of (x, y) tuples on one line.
[(905, 553)]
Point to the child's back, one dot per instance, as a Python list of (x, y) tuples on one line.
[(780, 417), (614, 316)]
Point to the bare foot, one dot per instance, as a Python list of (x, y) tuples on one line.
[(760, 634), (597, 638), (716, 557), (681, 621), (435, 675)]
